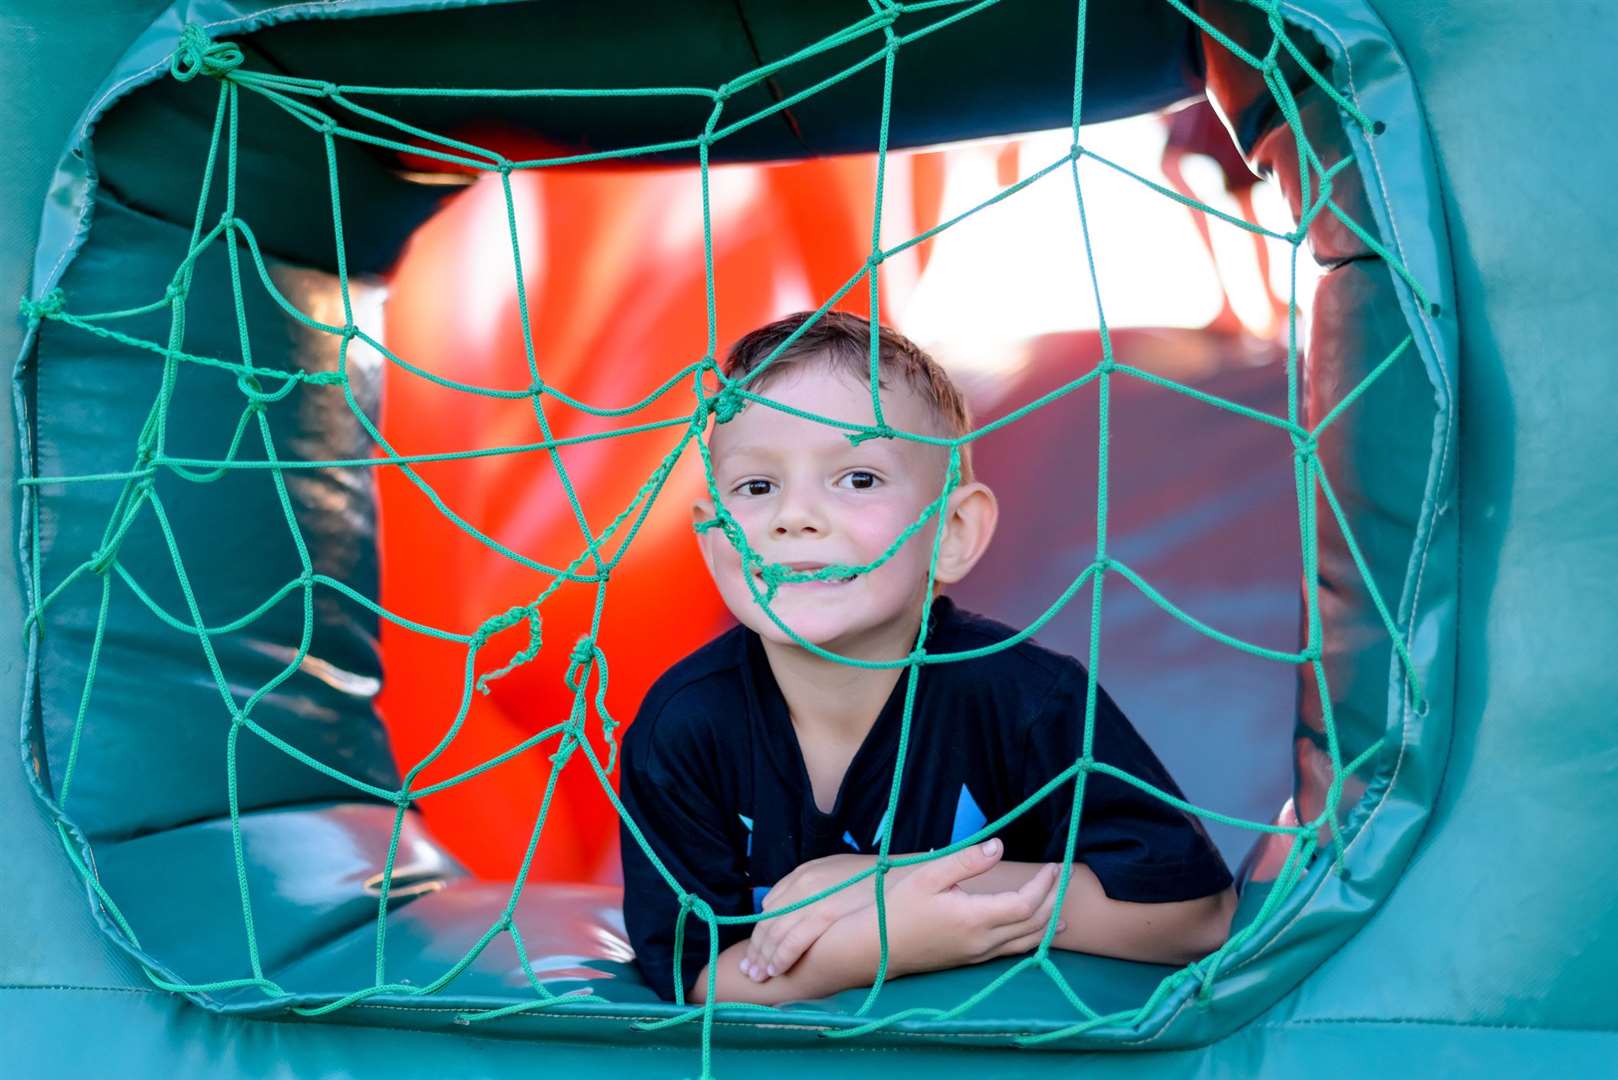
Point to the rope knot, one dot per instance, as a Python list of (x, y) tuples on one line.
[(198, 54), (583, 650), (48, 306), (881, 431), (726, 404), (876, 259)]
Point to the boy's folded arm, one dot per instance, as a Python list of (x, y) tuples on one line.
[(841, 958), (1170, 932), (932, 924)]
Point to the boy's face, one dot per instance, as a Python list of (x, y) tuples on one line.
[(805, 497)]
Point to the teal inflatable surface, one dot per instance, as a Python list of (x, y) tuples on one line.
[(1466, 922)]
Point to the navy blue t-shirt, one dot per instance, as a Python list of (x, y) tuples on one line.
[(713, 774)]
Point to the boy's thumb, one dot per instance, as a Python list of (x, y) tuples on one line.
[(972, 861)]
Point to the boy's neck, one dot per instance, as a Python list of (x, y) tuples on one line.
[(829, 698), (839, 700)]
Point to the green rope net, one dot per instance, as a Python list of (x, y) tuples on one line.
[(890, 26)]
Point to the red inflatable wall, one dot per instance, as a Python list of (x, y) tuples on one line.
[(614, 276)]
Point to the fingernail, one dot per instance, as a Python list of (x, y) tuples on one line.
[(770, 971), (991, 846), (1060, 927)]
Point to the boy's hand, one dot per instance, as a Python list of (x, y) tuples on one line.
[(777, 943), (944, 925), (933, 923)]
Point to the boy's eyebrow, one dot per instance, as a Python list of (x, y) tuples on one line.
[(876, 447), (750, 448)]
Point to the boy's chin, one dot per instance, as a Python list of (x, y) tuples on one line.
[(824, 627), (816, 629), (816, 624)]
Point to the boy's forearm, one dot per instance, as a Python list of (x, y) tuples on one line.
[(845, 956), (1177, 932)]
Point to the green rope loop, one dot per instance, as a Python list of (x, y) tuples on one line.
[(198, 54), (504, 622)]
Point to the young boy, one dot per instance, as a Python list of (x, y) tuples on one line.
[(760, 772)]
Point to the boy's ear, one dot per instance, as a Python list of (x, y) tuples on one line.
[(970, 518), (702, 510)]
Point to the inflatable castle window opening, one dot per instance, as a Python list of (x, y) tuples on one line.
[(204, 727)]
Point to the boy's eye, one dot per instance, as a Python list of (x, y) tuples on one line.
[(860, 480), (755, 487)]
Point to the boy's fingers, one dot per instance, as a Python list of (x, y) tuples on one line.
[(967, 863), (1036, 923), (1042, 914), (1008, 910), (767, 937), (793, 945), (772, 899), (1026, 943), (756, 945)]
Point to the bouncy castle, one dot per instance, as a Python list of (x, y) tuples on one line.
[(346, 540)]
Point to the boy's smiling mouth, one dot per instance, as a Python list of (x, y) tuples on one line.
[(807, 568)]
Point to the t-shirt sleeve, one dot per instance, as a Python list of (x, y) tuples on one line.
[(1141, 848), (669, 787)]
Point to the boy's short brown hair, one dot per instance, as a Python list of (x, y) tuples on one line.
[(843, 341)]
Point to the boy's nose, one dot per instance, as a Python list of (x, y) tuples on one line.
[(796, 516)]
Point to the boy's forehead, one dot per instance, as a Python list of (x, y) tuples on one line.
[(818, 389)]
